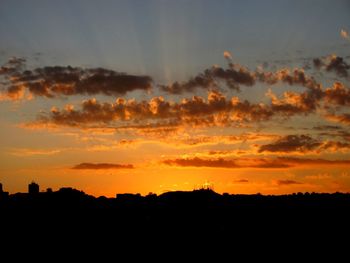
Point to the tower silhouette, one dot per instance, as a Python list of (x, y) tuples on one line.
[(33, 188)]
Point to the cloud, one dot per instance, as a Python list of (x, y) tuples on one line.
[(296, 76), (198, 162), (260, 163), (286, 182), (264, 163), (291, 143), (13, 65), (338, 94), (32, 152), (294, 103), (333, 63), (340, 118), (305, 161), (303, 144), (241, 181), (217, 110), (58, 81), (211, 78), (102, 166), (226, 163), (237, 75), (227, 55), (327, 127), (344, 34), (306, 102), (223, 139)]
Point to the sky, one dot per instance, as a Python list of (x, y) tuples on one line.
[(153, 96)]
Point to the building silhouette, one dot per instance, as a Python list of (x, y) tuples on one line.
[(3, 194), (33, 188)]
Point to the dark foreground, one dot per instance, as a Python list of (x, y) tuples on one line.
[(197, 217)]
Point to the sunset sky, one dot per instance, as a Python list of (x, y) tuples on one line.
[(152, 96)]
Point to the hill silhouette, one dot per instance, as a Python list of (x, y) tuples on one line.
[(192, 216)]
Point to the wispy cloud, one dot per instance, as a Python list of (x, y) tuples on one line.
[(286, 182), (264, 163), (32, 152), (101, 166)]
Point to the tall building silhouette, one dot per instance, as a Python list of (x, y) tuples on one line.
[(2, 193), (33, 188)]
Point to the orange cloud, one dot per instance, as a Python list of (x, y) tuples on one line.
[(227, 55), (99, 166), (340, 118), (344, 34), (217, 110), (294, 103), (338, 94), (264, 163), (308, 101)]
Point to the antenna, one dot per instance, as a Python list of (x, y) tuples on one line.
[(208, 186)]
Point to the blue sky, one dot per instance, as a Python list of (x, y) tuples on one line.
[(169, 39)]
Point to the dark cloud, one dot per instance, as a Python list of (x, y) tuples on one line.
[(57, 81), (13, 65), (236, 76), (318, 63), (326, 127), (291, 143), (242, 181), (287, 182), (232, 77), (102, 166), (303, 144), (338, 65), (334, 64), (290, 77)]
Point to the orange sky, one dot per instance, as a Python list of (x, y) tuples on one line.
[(245, 118), (295, 141)]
